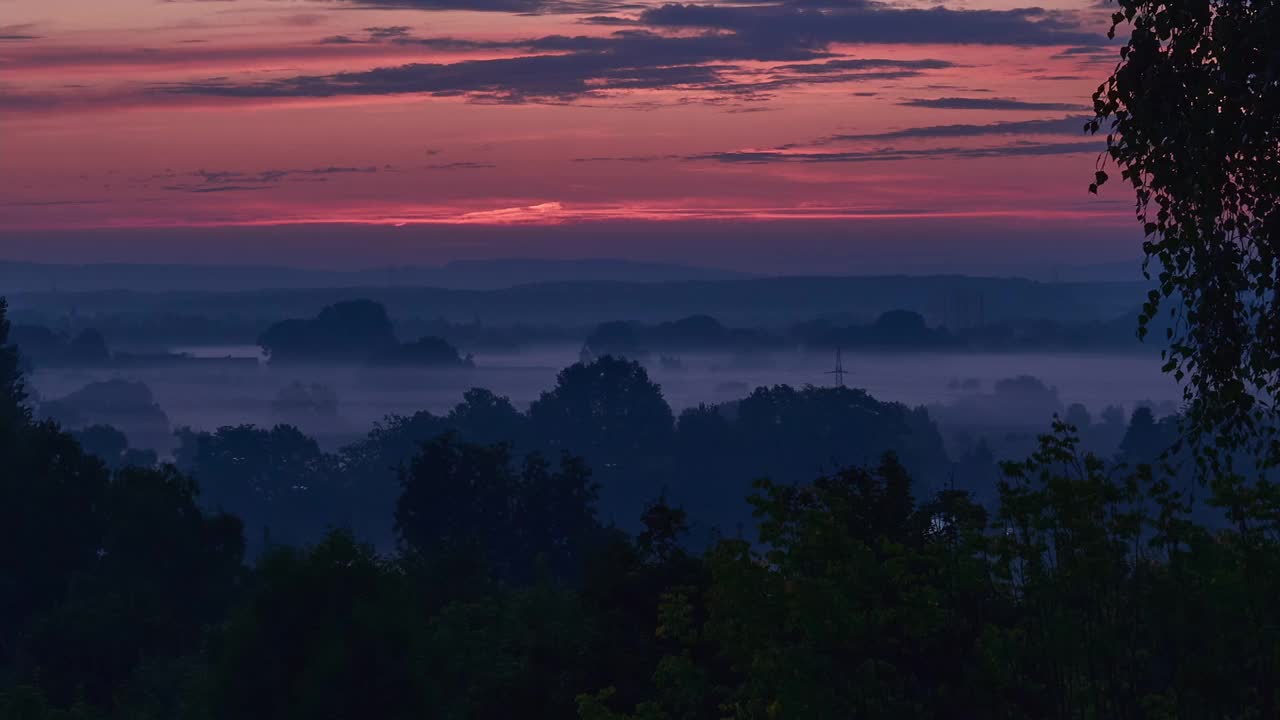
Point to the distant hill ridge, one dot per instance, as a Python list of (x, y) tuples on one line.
[(952, 300), (18, 277)]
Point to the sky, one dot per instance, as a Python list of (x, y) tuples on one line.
[(787, 135)]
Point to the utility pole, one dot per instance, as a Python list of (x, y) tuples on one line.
[(839, 372)]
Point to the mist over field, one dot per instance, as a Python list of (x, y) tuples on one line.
[(958, 388), (987, 360)]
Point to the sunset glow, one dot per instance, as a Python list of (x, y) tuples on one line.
[(194, 114)]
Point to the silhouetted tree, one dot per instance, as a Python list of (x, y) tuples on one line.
[(764, 637), (349, 331), (161, 572), (608, 409), (112, 447), (276, 479), (13, 395), (664, 527), (712, 479), (487, 418), (1142, 441), (463, 501), (423, 352), (51, 495), (1078, 416), (371, 472), (327, 632), (1192, 119), (696, 332), (125, 404), (892, 329), (830, 428), (901, 327), (102, 575), (612, 414), (617, 338), (530, 648), (41, 346)]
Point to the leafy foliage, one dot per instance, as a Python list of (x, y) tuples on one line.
[(1192, 119), (461, 500), (13, 393), (1088, 593), (612, 414), (612, 405), (276, 479)]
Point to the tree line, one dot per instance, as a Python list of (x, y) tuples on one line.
[(1086, 589), (607, 411)]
